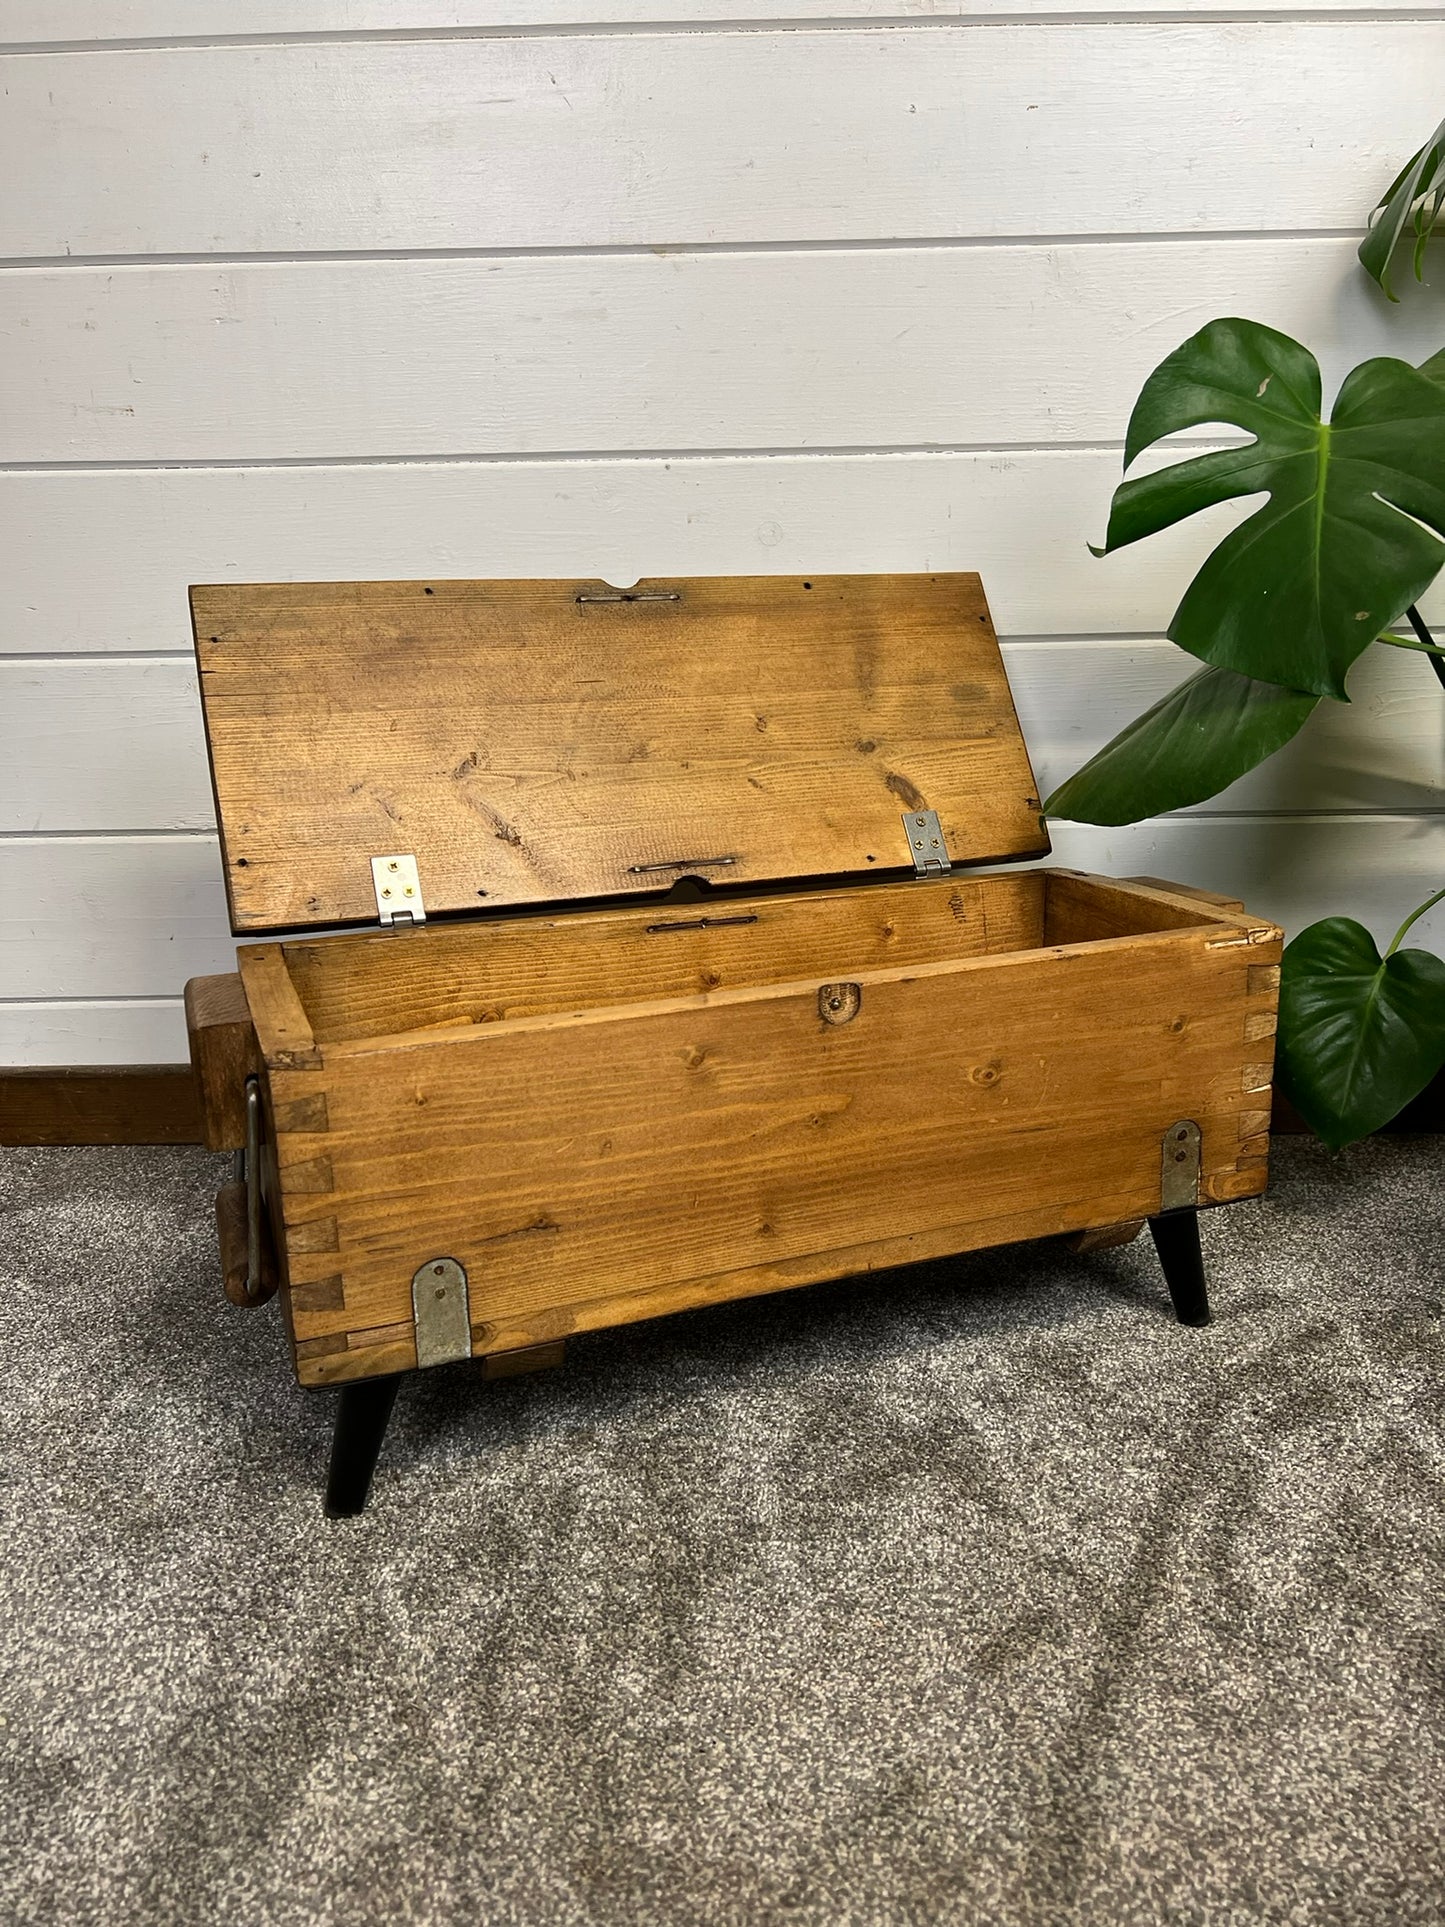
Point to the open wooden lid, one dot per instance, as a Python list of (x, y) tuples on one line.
[(536, 742)]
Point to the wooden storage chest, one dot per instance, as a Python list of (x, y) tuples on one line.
[(678, 986)]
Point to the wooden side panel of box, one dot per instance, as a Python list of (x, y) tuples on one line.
[(588, 1169)]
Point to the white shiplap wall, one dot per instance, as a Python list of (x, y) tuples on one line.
[(336, 288)]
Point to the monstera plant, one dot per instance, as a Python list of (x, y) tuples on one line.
[(1350, 536)]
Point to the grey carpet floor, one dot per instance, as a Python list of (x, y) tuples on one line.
[(977, 1593)]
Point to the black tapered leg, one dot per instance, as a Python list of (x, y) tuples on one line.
[(1176, 1239), (360, 1427)]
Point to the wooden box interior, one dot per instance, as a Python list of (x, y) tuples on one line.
[(454, 976)]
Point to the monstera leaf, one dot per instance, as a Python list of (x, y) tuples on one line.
[(1189, 746), (1414, 199), (1359, 1034), (1354, 528)]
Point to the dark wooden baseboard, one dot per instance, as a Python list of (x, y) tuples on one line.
[(120, 1104), (156, 1104)]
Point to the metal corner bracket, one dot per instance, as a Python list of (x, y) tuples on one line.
[(1179, 1181), (441, 1312)]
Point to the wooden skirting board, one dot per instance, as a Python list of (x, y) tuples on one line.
[(157, 1104), (112, 1104)]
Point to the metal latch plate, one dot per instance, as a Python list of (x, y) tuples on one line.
[(441, 1312), (925, 840), (398, 889)]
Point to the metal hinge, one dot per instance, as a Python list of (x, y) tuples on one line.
[(925, 839), (1179, 1182), (398, 889), (248, 1172)]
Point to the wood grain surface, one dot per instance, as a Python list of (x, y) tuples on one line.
[(224, 1053), (539, 742), (448, 975), (616, 1158)]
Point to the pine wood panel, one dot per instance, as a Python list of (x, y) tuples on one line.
[(534, 742), (845, 348), (353, 987), (586, 140), (615, 1151), (333, 1359)]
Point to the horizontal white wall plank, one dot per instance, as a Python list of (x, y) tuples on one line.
[(118, 745), (99, 916), (1375, 868), (33, 23), (94, 1031), (110, 745), (848, 348), (1384, 750), (101, 561), (120, 918), (669, 138)]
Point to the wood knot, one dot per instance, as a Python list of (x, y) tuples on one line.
[(986, 1074), (839, 1003)]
